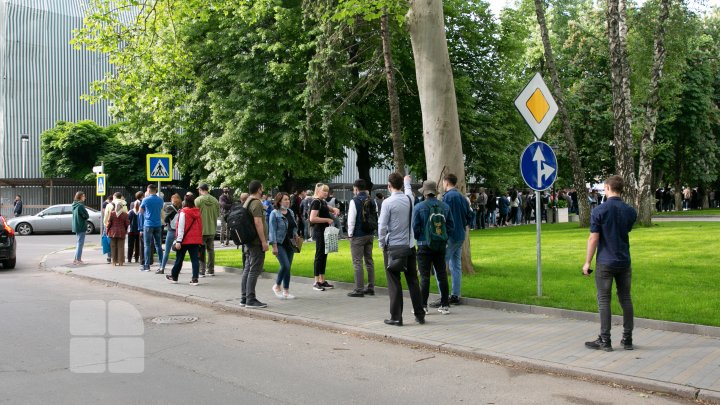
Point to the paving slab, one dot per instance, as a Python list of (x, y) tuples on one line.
[(683, 364)]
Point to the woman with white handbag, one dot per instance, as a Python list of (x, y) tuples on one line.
[(321, 217)]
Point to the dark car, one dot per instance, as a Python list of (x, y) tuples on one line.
[(7, 245)]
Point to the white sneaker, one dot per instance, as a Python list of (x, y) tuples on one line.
[(278, 294), (444, 310), (288, 296)]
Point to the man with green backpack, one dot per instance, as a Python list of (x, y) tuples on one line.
[(432, 223)]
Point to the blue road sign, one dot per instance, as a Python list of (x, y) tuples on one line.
[(159, 167), (538, 166)]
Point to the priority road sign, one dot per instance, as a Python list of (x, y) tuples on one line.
[(159, 167), (536, 105), (538, 166), (100, 185)]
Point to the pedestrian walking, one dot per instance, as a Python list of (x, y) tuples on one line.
[(79, 225), (151, 209), (432, 223), (18, 206), (226, 202), (321, 216), (117, 229), (395, 236), (255, 249), (187, 240), (209, 211), (133, 236), (610, 224), (103, 220), (282, 236), (171, 217), (460, 211), (362, 225)]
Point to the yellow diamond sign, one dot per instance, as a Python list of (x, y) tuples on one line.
[(537, 106)]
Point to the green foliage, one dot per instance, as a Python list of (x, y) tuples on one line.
[(70, 150)]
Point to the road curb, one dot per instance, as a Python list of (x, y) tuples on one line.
[(532, 365)]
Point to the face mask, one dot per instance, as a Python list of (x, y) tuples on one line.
[(285, 206)]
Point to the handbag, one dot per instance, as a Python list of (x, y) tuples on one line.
[(397, 256), (296, 243), (105, 244), (332, 239)]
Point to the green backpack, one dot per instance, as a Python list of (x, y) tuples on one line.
[(436, 229)]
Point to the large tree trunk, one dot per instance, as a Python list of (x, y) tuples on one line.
[(574, 157), (398, 153), (620, 74), (436, 89), (645, 192), (363, 163)]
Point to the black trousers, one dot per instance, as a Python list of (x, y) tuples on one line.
[(395, 289), (428, 260), (320, 263)]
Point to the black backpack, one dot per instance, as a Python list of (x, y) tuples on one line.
[(241, 224), (368, 216)]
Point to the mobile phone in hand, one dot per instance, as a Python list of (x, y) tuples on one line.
[(589, 272)]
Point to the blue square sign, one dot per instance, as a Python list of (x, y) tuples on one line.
[(159, 167)]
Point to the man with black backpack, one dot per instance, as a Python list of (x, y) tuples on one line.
[(362, 225), (432, 223)]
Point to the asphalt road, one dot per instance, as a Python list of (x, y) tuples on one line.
[(229, 358)]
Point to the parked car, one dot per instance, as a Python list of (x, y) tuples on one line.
[(7, 245), (57, 218)]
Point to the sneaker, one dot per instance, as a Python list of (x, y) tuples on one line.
[(243, 302), (356, 293), (108, 260), (626, 343), (194, 282), (435, 304), (170, 279), (327, 285), (160, 271), (142, 268), (444, 310), (369, 291), (454, 300), (211, 273), (600, 344), (278, 293), (254, 303), (288, 296), (425, 308), (318, 287), (202, 275)]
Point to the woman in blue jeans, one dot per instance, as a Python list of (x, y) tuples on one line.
[(283, 230), (79, 227), (171, 218)]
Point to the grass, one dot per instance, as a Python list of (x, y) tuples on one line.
[(674, 268), (712, 212)]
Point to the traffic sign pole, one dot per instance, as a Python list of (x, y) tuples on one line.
[(538, 222)]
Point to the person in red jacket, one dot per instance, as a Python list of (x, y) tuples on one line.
[(187, 240)]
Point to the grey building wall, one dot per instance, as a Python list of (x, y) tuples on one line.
[(43, 77)]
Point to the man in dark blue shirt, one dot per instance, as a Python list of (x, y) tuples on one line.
[(610, 224)]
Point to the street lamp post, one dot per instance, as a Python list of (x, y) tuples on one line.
[(25, 139)]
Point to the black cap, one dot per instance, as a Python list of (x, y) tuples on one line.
[(204, 187)]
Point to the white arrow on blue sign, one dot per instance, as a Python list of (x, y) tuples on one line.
[(538, 166)]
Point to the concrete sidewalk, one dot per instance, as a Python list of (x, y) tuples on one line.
[(682, 364)]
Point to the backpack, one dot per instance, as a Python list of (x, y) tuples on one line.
[(241, 224), (368, 216), (436, 229)]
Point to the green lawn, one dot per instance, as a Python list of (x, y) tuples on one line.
[(674, 266), (712, 212)]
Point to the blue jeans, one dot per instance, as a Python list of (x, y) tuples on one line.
[(169, 239), (79, 245), (453, 257), (150, 235), (285, 258)]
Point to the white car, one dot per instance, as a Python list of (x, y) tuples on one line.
[(56, 218)]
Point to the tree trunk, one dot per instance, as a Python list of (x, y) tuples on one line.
[(645, 190), (620, 74), (436, 89), (574, 157), (398, 153)]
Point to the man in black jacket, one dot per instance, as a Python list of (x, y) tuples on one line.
[(226, 202)]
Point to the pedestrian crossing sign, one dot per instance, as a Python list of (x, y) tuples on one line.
[(100, 185), (159, 167)]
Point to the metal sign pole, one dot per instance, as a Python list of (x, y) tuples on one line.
[(538, 222)]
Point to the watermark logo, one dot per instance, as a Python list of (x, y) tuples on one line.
[(106, 337)]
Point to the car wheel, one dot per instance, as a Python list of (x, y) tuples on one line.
[(9, 264), (89, 228), (24, 229)]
